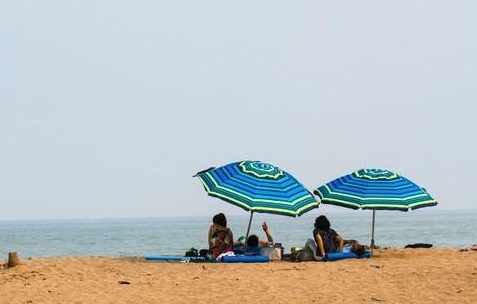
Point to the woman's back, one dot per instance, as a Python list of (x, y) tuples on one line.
[(329, 238), (220, 240)]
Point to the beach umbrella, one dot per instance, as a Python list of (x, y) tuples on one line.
[(258, 187), (374, 189)]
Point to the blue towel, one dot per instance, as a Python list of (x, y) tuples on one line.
[(172, 258), (345, 255), (245, 259)]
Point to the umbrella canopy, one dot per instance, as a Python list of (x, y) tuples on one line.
[(258, 187), (374, 189)]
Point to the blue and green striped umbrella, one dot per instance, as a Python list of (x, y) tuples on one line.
[(374, 189), (258, 187)]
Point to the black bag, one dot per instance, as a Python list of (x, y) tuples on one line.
[(204, 253), (191, 253), (207, 255)]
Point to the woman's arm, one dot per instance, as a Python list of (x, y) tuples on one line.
[(340, 243), (319, 243), (209, 235)]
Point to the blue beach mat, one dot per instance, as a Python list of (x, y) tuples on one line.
[(172, 258), (345, 255), (245, 259)]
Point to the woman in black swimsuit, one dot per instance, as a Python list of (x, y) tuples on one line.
[(327, 240)]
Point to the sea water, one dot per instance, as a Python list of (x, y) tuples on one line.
[(135, 237)]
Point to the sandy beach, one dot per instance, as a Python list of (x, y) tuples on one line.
[(392, 276)]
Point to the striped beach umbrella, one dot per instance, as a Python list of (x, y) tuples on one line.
[(258, 187), (374, 189)]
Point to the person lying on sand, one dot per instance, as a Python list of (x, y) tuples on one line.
[(253, 244), (262, 243)]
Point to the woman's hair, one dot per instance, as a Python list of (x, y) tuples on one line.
[(252, 241), (219, 219), (322, 223)]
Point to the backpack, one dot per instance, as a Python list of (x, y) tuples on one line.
[(207, 255), (191, 253), (305, 255)]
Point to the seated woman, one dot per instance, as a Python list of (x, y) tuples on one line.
[(221, 239), (326, 240)]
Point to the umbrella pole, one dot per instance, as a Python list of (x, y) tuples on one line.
[(372, 232), (249, 224)]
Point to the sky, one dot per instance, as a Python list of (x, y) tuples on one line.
[(108, 108)]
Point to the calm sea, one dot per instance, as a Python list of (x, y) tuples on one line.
[(126, 237)]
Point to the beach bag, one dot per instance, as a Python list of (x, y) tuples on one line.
[(207, 255), (204, 252), (305, 255), (273, 253)]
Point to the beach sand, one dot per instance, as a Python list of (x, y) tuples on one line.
[(392, 276)]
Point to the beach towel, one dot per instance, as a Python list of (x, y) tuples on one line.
[(225, 254), (245, 259), (335, 256), (172, 258)]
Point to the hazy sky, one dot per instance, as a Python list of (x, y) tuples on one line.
[(107, 108)]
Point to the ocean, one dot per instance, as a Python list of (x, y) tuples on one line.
[(135, 237)]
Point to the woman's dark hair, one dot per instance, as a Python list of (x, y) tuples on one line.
[(252, 241), (219, 219), (322, 223)]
